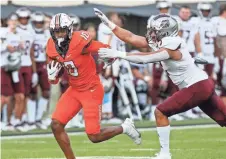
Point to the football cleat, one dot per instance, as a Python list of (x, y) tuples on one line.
[(130, 130), (40, 125)]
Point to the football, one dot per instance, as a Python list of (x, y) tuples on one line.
[(61, 70)]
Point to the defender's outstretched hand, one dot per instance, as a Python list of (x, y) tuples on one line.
[(105, 53), (104, 19)]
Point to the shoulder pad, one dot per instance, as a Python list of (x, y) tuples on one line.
[(171, 43)]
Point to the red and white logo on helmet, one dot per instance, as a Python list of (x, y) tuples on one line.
[(60, 20)]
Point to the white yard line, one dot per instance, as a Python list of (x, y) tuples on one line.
[(82, 133)]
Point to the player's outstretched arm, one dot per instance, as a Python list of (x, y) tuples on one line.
[(123, 34), (149, 57), (94, 46)]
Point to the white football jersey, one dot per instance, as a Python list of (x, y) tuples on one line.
[(12, 39), (207, 34), (188, 32), (220, 25), (184, 72), (40, 42), (28, 39)]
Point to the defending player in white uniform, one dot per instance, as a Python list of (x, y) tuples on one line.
[(194, 86), (159, 75), (27, 75), (11, 50), (188, 27)]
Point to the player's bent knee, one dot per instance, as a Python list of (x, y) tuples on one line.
[(45, 94), (93, 138), (56, 126), (159, 114)]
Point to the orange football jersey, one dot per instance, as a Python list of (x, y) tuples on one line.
[(78, 61)]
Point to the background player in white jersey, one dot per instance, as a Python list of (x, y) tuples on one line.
[(11, 45), (188, 28), (205, 37), (27, 74), (41, 35), (220, 25), (171, 51)]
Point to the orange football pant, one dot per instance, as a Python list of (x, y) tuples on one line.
[(72, 101)]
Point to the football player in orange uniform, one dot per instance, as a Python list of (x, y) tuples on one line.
[(72, 52)]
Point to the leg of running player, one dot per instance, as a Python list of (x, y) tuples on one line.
[(92, 115), (216, 109), (67, 107), (180, 101), (62, 138)]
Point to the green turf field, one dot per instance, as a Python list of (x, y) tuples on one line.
[(196, 143)]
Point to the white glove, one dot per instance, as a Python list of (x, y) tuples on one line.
[(53, 70), (109, 53), (104, 19), (34, 80)]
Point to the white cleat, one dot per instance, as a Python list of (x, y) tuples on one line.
[(47, 121), (130, 130), (32, 127), (162, 156), (9, 128), (41, 125), (22, 128)]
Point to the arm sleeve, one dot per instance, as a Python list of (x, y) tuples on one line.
[(94, 46), (160, 56)]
